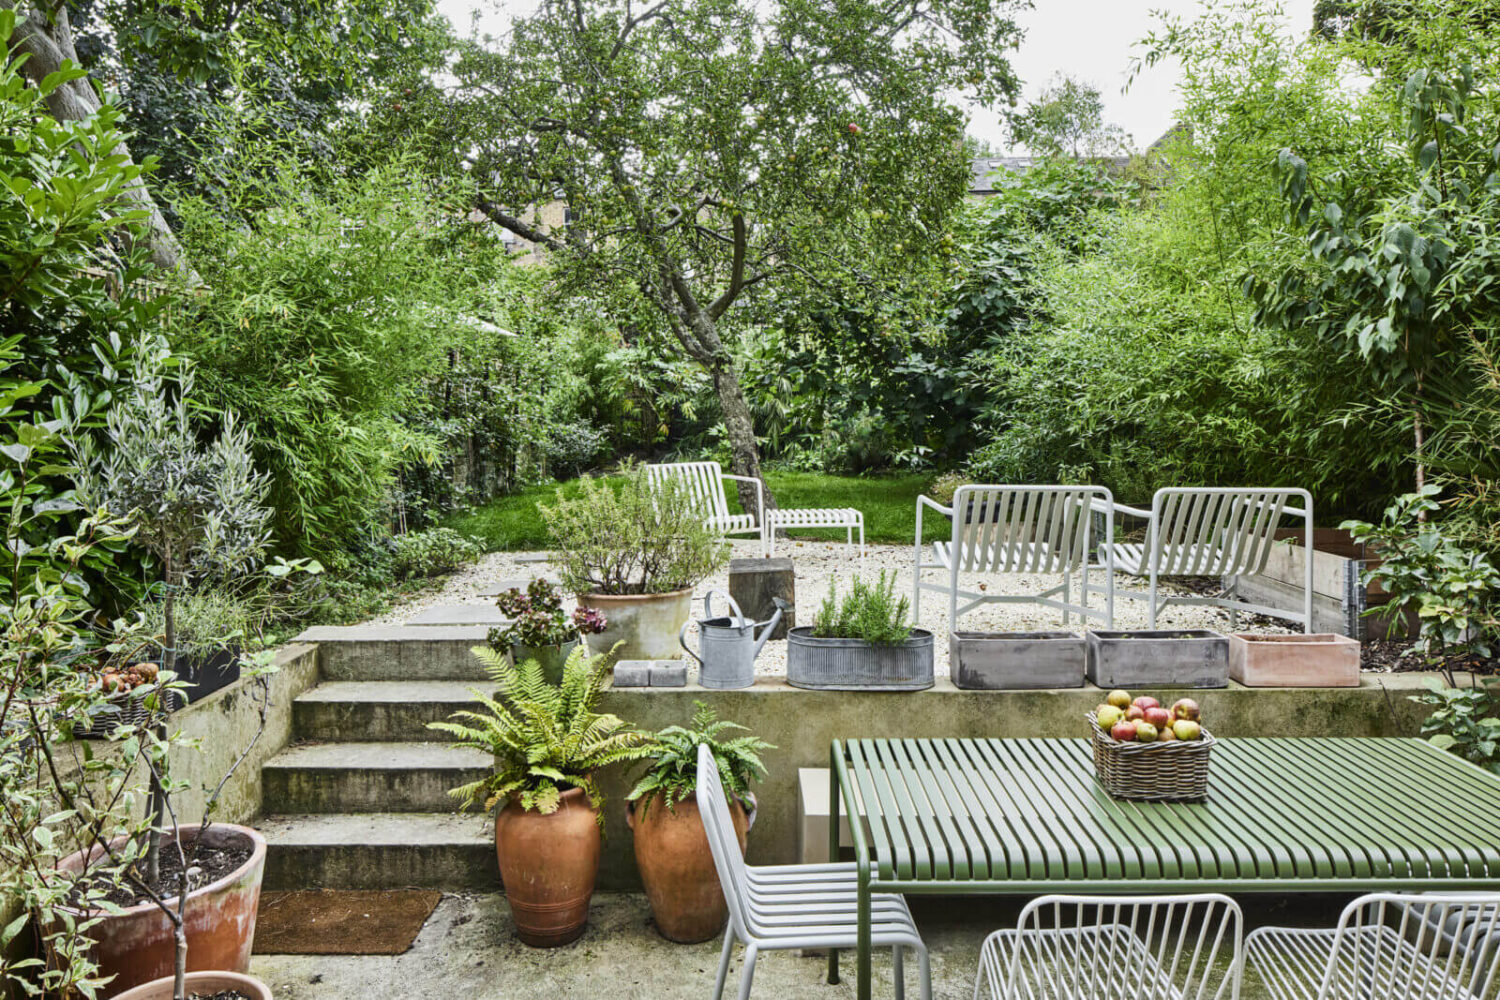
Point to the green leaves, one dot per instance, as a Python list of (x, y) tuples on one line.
[(671, 770)]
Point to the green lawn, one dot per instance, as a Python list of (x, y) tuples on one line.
[(512, 523)]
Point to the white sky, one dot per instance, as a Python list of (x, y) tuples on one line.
[(1091, 40)]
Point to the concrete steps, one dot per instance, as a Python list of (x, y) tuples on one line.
[(379, 711), (448, 851), (398, 652), (368, 777)]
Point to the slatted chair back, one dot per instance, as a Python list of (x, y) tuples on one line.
[(1217, 532), (1423, 947), (1186, 947), (704, 482), (729, 863), (1022, 529)]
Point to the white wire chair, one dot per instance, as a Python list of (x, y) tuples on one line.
[(704, 482), (1387, 946), (1020, 529), (1185, 947), (782, 907)]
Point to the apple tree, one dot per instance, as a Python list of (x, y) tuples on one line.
[(711, 151)]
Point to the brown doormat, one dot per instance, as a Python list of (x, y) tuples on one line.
[(339, 922)]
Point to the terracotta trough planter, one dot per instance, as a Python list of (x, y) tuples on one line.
[(206, 983), (549, 864), (1318, 660), (137, 946), (671, 851)]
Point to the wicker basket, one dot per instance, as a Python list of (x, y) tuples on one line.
[(1174, 771), (123, 710)]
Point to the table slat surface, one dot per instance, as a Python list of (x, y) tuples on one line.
[(1304, 811)]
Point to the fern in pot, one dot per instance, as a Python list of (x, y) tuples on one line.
[(549, 744), (671, 847), (861, 640), (633, 550)]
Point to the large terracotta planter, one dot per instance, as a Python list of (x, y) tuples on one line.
[(646, 624), (548, 865), (136, 946), (671, 851), (207, 983)]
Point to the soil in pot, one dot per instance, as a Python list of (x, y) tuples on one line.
[(671, 851), (548, 864), (205, 865), (203, 986)]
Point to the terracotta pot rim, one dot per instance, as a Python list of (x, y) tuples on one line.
[(257, 856), (636, 597), (237, 979)]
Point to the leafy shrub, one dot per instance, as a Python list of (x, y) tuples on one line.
[(433, 551), (545, 739), (872, 613), (1463, 721), (572, 448), (634, 539), (672, 761), (538, 619), (944, 486)]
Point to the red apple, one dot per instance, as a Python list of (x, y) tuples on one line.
[(1145, 732), (854, 129), (1135, 713), (1123, 731), (1146, 701), (1186, 708), (1159, 717)]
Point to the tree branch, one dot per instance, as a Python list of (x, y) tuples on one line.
[(736, 271), (515, 225)]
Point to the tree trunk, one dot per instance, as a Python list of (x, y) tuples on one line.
[(48, 41), (739, 425)]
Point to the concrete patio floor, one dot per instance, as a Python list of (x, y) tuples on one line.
[(469, 951)]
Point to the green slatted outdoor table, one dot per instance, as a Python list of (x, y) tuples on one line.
[(1028, 816)]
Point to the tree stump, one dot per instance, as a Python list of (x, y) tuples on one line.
[(754, 582)]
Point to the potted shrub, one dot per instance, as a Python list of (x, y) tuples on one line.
[(861, 641), (540, 630), (213, 625), (548, 744), (633, 551), (671, 847)]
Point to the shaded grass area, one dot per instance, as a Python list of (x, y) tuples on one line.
[(512, 523)]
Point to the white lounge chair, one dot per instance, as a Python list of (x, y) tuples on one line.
[(705, 483), (782, 907), (1117, 948), (1212, 531), (1385, 946), (1018, 529)]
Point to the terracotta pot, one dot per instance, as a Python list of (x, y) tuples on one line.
[(136, 946), (200, 982), (548, 865), (645, 624), (671, 851)]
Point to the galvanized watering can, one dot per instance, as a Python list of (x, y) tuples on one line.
[(727, 647)]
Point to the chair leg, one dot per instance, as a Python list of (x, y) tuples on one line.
[(749, 974), (1067, 593), (898, 972), (724, 962), (924, 971)]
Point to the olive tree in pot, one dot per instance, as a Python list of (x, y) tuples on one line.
[(548, 744), (671, 847), (200, 511), (633, 551)]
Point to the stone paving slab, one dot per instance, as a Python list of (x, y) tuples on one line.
[(459, 614)]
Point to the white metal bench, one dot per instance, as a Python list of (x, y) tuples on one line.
[(1212, 531), (705, 484), (1019, 529)]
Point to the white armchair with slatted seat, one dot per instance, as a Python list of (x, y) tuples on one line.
[(1386, 947), (1019, 529), (1184, 947), (705, 483), (1212, 531)]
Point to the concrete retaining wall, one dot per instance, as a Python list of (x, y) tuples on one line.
[(802, 724)]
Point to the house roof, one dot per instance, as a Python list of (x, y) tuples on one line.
[(983, 169)]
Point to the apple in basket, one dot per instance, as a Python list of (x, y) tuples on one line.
[(1159, 717), (1107, 716), (1146, 701), (1135, 713), (1186, 708), (1144, 720), (1124, 731), (1187, 729), (1119, 699)]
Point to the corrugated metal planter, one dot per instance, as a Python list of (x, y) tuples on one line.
[(856, 665), (1194, 658), (1016, 661)]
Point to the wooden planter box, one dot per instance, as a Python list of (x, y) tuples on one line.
[(1193, 658), (1317, 660), (1012, 661)]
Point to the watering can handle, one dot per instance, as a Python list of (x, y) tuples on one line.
[(682, 641), (708, 611)]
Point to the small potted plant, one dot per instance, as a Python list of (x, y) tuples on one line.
[(633, 551), (213, 625), (548, 744), (862, 641), (539, 628), (671, 848)]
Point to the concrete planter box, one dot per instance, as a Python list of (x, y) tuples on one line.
[(1193, 658), (1317, 660), (856, 665), (1014, 661), (647, 624)]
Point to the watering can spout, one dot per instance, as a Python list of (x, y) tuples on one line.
[(770, 626)]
